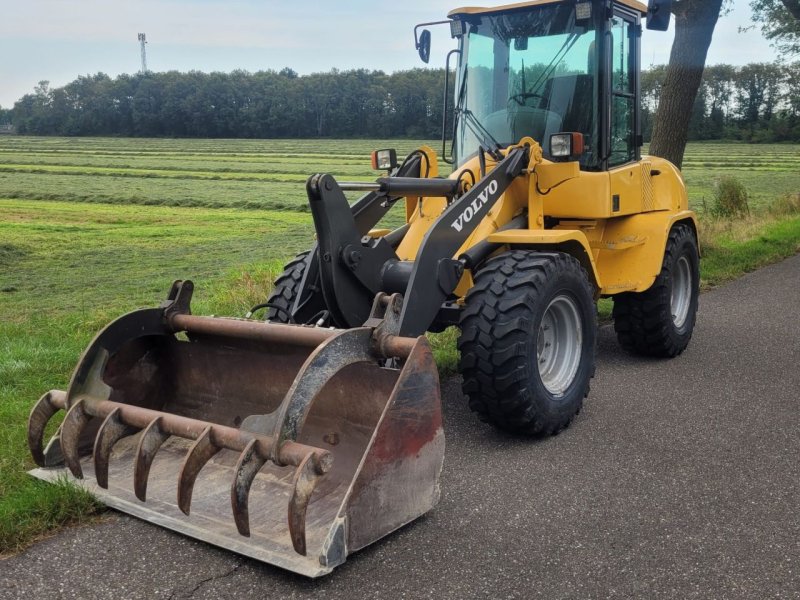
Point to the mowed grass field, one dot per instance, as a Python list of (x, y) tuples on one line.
[(269, 174), (92, 228)]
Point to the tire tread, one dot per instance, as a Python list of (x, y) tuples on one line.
[(643, 320), (286, 288), (494, 336)]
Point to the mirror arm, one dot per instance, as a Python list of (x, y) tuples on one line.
[(416, 28)]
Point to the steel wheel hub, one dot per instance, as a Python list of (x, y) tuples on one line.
[(559, 344), (681, 295)]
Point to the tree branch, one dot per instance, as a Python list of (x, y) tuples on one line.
[(793, 6)]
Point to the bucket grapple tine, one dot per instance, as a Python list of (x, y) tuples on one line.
[(74, 422), (199, 454), (41, 414), (151, 440), (303, 483), (250, 463), (111, 431)]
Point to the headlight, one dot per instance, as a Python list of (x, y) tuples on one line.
[(384, 160), (566, 145)]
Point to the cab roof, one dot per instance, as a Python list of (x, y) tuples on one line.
[(480, 10)]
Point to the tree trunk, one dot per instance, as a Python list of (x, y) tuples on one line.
[(694, 25)]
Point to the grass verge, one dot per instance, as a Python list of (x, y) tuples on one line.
[(732, 248)]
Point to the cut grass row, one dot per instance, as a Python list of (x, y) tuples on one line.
[(268, 174), (220, 189), (355, 146), (697, 154), (276, 164), (280, 176), (150, 146)]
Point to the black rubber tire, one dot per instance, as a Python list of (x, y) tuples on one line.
[(498, 343), (287, 286), (643, 321)]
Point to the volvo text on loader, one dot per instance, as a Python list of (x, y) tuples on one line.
[(302, 438)]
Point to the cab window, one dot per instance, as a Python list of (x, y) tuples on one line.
[(623, 92)]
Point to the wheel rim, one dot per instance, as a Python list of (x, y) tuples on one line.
[(681, 296), (559, 344)]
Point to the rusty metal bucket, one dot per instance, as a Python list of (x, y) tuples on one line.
[(294, 445)]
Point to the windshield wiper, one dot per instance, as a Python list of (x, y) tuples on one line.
[(486, 141), (479, 130)]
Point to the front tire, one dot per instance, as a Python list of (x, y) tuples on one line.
[(286, 289), (660, 321), (527, 341)]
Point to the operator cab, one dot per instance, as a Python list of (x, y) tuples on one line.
[(546, 67)]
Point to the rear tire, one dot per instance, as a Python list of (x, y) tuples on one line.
[(287, 286), (527, 341), (660, 321)]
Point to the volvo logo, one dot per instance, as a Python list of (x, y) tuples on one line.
[(468, 213)]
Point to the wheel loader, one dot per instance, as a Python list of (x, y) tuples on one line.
[(301, 437)]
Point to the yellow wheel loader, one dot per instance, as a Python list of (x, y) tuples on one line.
[(306, 436)]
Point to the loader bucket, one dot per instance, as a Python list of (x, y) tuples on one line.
[(290, 444)]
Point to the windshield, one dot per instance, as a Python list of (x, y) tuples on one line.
[(526, 73)]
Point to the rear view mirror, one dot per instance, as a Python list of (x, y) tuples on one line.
[(424, 45), (658, 12)]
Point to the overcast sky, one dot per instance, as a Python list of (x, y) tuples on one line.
[(58, 40)]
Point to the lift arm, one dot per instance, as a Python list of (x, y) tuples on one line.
[(353, 268)]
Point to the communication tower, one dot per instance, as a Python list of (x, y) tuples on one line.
[(142, 42)]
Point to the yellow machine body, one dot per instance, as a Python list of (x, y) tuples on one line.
[(615, 222)]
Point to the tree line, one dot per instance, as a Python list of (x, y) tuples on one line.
[(759, 102), (265, 104), (756, 102)]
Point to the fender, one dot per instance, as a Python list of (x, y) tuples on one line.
[(635, 268), (575, 239)]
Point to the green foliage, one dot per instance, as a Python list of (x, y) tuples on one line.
[(444, 350), (35, 508), (786, 205), (759, 102), (6, 115), (730, 198), (730, 255), (780, 22), (266, 104)]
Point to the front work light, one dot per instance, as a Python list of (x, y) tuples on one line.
[(583, 11), (384, 160), (566, 146)]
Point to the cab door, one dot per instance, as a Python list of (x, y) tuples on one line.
[(629, 176)]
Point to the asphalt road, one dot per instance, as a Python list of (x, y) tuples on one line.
[(679, 479)]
